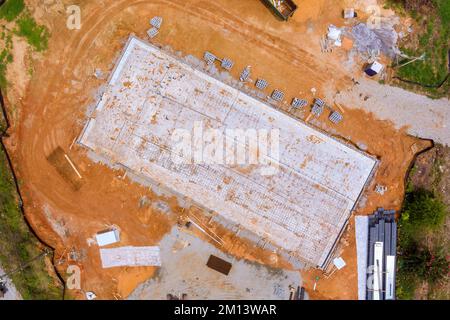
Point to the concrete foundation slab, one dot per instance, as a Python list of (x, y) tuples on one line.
[(301, 208)]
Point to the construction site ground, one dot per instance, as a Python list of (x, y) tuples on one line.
[(184, 271), (48, 111)]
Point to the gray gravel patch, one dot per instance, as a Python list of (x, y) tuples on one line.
[(12, 293), (184, 271), (424, 117)]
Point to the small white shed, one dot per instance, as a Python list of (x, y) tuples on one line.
[(374, 68), (107, 237)]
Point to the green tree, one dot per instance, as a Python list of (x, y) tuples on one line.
[(422, 210)]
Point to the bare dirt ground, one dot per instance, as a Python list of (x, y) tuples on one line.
[(51, 112)]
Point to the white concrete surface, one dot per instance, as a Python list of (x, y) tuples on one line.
[(362, 244), (301, 209), (130, 257)]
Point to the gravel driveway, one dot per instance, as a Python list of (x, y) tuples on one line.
[(424, 117)]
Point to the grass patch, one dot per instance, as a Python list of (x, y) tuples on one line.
[(5, 58), (36, 35), (18, 245), (11, 9), (24, 26), (419, 261), (432, 39)]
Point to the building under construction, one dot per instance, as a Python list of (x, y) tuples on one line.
[(301, 209)]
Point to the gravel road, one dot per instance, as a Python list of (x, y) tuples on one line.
[(424, 117)]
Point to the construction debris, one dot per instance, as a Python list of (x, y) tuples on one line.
[(174, 297), (99, 74), (373, 42), (90, 295), (380, 189), (298, 294), (334, 34), (130, 257)]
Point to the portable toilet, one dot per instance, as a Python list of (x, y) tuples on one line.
[(373, 69)]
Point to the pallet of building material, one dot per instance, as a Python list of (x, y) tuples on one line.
[(319, 102), (130, 257), (261, 84), (336, 117), (156, 22), (227, 63), (152, 32), (299, 103), (209, 58), (317, 110), (245, 74), (277, 95)]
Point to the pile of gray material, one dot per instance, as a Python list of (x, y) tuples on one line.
[(375, 41)]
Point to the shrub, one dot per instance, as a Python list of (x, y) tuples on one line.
[(11, 9), (428, 265), (36, 35), (422, 210)]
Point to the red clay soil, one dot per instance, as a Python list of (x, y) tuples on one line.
[(51, 111)]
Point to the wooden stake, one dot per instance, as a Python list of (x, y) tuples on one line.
[(72, 165), (340, 107), (73, 142)]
